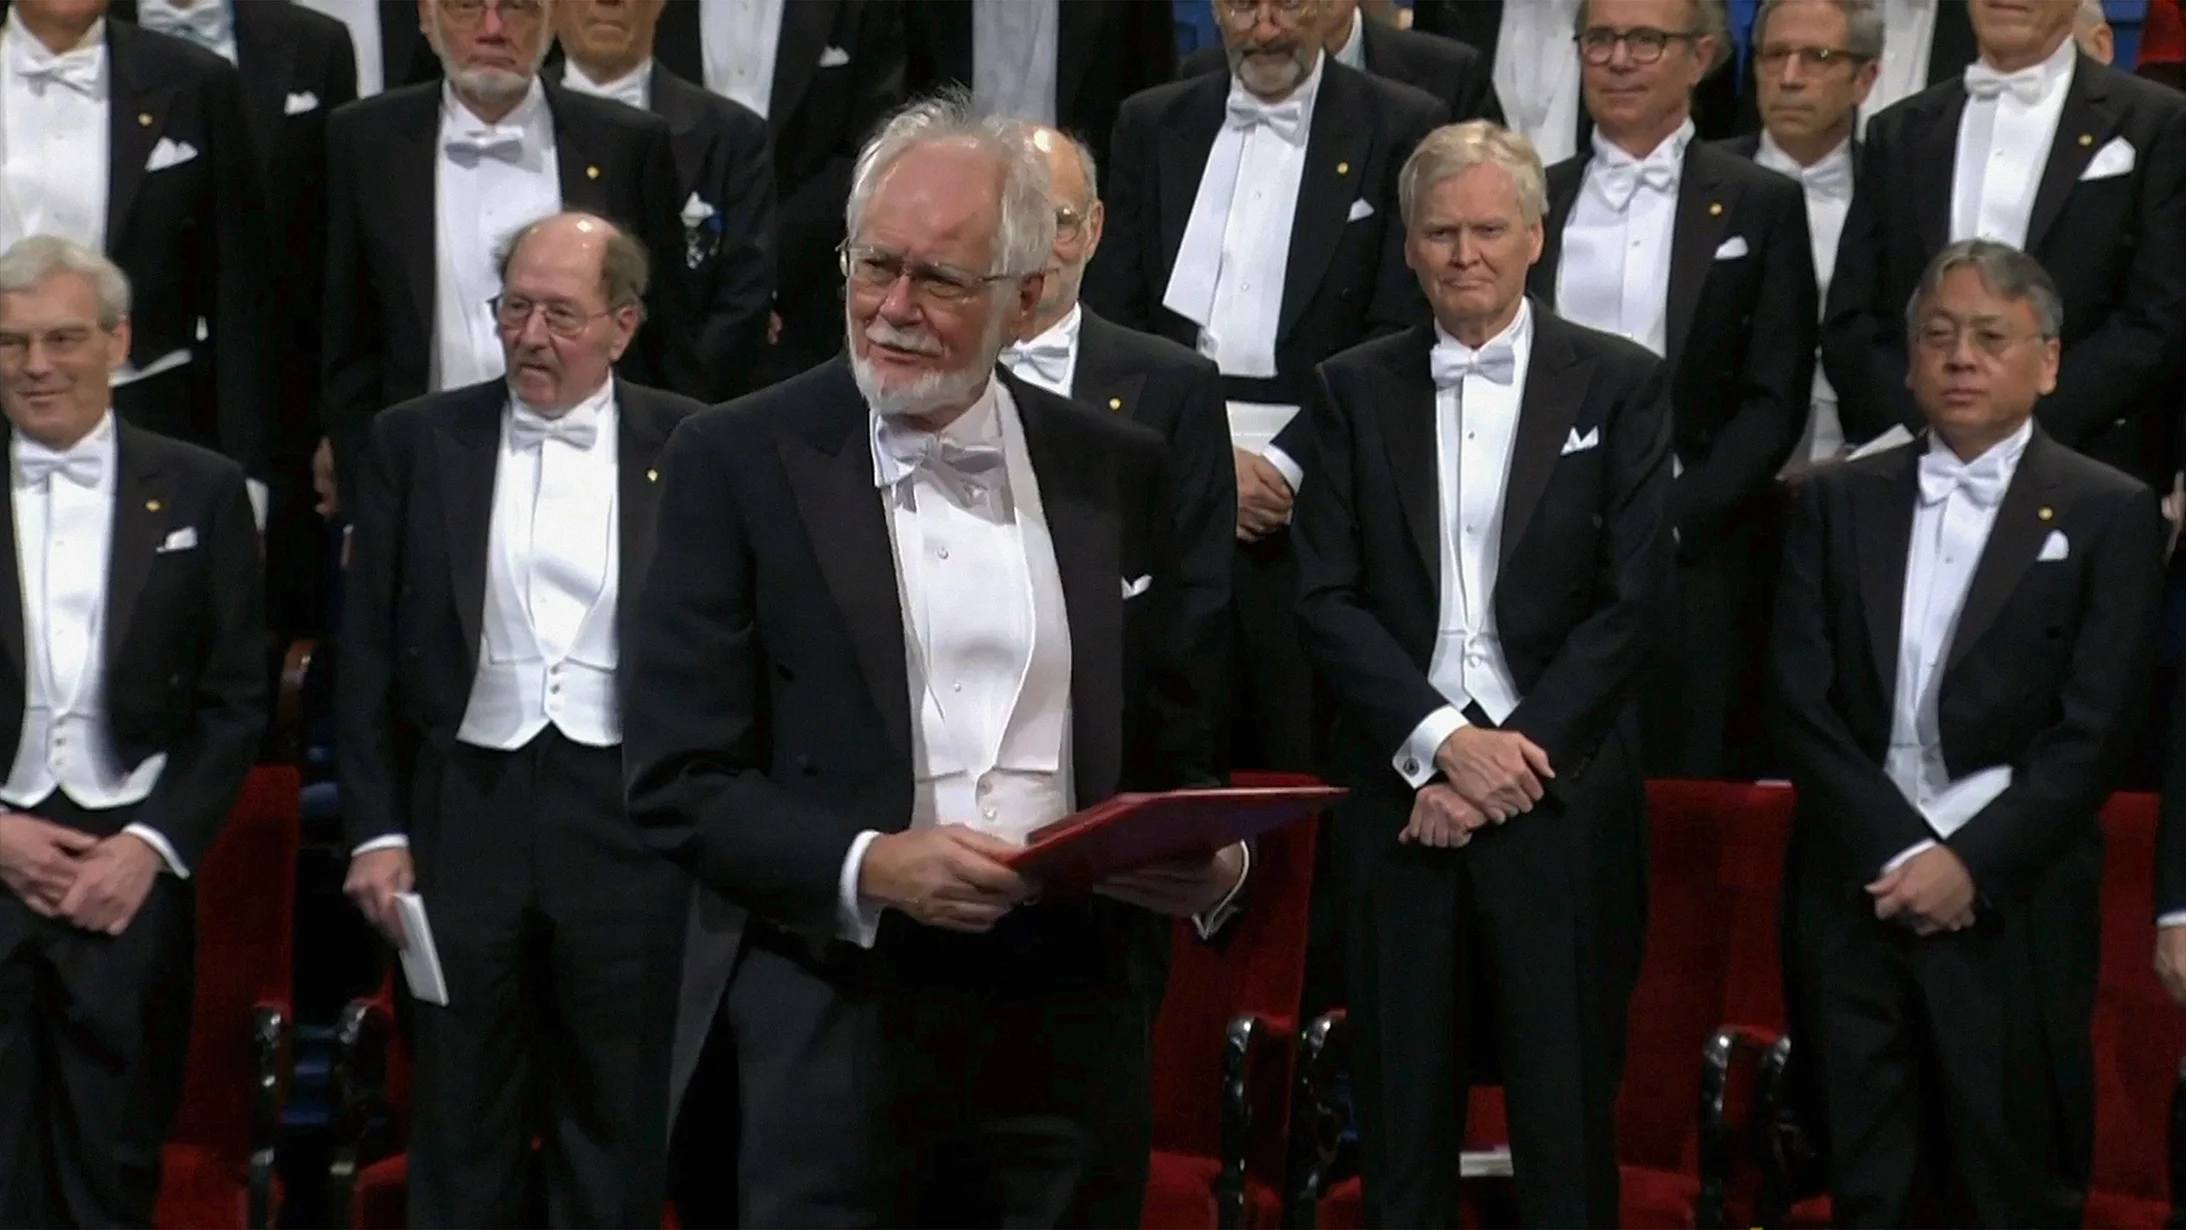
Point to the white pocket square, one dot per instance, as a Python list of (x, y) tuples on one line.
[(834, 57), (1361, 208), (2114, 159), (300, 102), (1579, 444), (2054, 548), (181, 540), (1132, 589), (1731, 249), (696, 211), (169, 153)]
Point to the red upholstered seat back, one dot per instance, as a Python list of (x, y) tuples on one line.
[(2139, 1033), (246, 922)]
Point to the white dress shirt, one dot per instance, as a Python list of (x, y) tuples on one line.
[(1909, 31), (1537, 75), (1230, 267), (1051, 359), (1013, 58), (482, 198), (1352, 54), (1615, 271), (53, 137), (2003, 143), (741, 38), (1828, 188), (1476, 423), (207, 23), (63, 532), (363, 19), (634, 88), (1949, 534)]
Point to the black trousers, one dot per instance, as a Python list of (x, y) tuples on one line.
[(1518, 946), (94, 1031), (560, 935), (937, 1081), (1273, 722), (1937, 1063), (1707, 672)]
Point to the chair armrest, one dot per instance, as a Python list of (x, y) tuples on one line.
[(269, 1042), (1239, 1042), (1731, 1132), (1320, 1117), (358, 1092), (1793, 1165)]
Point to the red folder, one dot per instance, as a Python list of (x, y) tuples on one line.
[(1132, 830)]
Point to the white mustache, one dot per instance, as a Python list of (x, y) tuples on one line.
[(917, 341)]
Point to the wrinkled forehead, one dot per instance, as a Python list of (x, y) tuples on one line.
[(937, 203), (58, 300)]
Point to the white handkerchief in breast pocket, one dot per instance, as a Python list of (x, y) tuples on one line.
[(1576, 443), (181, 540), (2115, 158), (1731, 249), (170, 153), (301, 103), (1133, 588), (834, 57), (2055, 547), (1361, 210)]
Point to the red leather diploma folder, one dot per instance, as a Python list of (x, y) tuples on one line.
[(1132, 830)]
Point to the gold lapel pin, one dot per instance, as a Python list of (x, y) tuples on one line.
[(1343, 168), (2046, 513), (652, 476), (1715, 209), (1115, 403), (591, 172), (2086, 139), (144, 119), (151, 506)]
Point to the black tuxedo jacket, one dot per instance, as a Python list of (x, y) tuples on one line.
[(1177, 394), (1585, 549), (382, 155), (2116, 248), (422, 519), (771, 721), (722, 159), (1740, 329), (838, 70), (1346, 277), (2046, 671), (192, 238), (1444, 67), (1105, 51), (185, 634)]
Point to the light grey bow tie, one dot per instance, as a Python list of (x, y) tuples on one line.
[(967, 471), (1451, 364), (36, 469), (468, 147), (206, 24), (528, 430), (1983, 481)]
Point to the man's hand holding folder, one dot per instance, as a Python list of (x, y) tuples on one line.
[(952, 877)]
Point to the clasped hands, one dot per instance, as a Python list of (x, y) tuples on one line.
[(1931, 892), (1263, 496), (59, 872), (956, 878), (1488, 776)]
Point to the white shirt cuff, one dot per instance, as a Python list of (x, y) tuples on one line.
[(1215, 918), (393, 841), (1292, 474), (1415, 761), (151, 837), (1907, 855), (2176, 918), (261, 497), (855, 921)]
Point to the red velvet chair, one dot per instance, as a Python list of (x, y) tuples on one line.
[(368, 1182), (1224, 1048), (217, 1169)]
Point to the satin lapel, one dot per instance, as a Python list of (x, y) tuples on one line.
[(469, 444), (1186, 141), (1936, 146), (1556, 383), (2015, 538), (412, 172), (638, 440), (1077, 41), (1082, 524), (1882, 523), (1562, 195), (1336, 148), (1407, 411), (2083, 127), (141, 519), (1705, 202), (136, 118), (805, 27), (831, 476)]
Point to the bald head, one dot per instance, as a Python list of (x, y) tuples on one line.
[(572, 297), (1074, 190)]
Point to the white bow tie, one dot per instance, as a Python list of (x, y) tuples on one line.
[(966, 471), (506, 144), (1983, 481), (528, 430), (35, 466), (1986, 83), (1619, 181), (78, 70), (1047, 361), (1831, 178), (205, 24), (1450, 363), (1284, 119)]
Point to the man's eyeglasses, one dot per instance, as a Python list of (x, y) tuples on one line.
[(1245, 12), (1942, 337), (874, 270), (1598, 44), (1774, 58), (563, 319), (1068, 221), (468, 12)]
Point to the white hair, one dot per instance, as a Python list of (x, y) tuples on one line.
[(37, 257), (1027, 229)]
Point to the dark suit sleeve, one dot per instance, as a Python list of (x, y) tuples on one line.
[(207, 764), (374, 742), (1835, 779), (353, 348), (1375, 680), (743, 272), (1205, 491), (1175, 742), (2106, 373), (1569, 710), (1775, 383), (1116, 280), (667, 339), (2060, 783), (234, 252), (1863, 333), (694, 754)]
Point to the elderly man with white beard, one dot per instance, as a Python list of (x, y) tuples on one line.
[(906, 609)]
